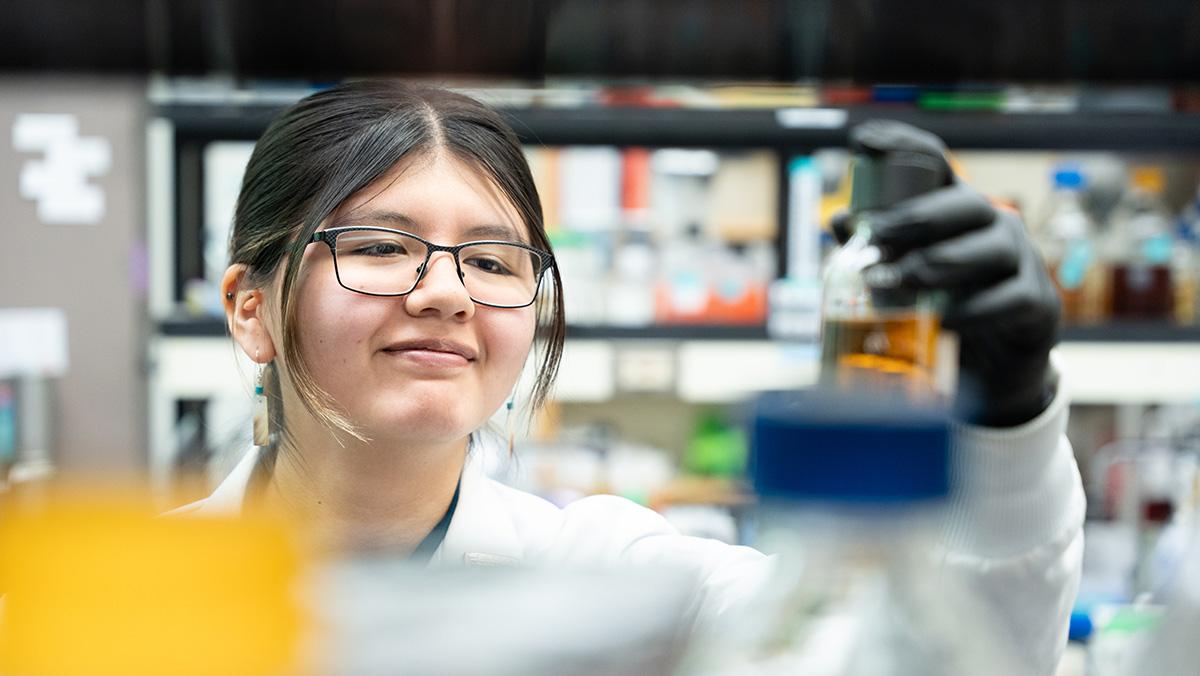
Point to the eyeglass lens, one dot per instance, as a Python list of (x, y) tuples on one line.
[(389, 263)]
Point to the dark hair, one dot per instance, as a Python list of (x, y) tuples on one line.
[(334, 143)]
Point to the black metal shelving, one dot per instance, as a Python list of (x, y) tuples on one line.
[(198, 123), (214, 327), (1125, 332), (624, 126)]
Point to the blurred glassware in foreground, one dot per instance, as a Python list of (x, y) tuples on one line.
[(384, 616), (93, 584), (858, 588)]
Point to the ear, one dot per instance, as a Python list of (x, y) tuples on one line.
[(245, 314)]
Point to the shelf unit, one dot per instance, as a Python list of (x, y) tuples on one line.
[(1127, 332), (189, 124), (1125, 363), (779, 128)]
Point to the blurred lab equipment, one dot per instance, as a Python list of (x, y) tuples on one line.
[(1170, 649), (1067, 242), (851, 489), (1140, 247)]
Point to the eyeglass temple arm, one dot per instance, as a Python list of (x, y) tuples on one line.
[(322, 236)]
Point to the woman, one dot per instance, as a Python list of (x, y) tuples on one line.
[(391, 273)]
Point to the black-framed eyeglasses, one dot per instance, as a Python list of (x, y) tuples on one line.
[(385, 262)]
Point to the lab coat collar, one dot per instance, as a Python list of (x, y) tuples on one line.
[(230, 495), (481, 532)]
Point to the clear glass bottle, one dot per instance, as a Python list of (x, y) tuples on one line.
[(1067, 242), (1185, 264), (874, 337), (1142, 246)]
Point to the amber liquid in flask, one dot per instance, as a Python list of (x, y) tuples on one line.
[(887, 352)]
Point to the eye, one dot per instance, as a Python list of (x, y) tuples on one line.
[(489, 265), (379, 249)]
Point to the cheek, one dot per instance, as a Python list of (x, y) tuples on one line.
[(332, 323), (509, 338)]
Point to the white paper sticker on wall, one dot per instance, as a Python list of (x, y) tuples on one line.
[(33, 342), (58, 181)]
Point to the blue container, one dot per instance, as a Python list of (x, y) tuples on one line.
[(824, 446)]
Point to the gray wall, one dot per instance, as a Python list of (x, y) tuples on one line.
[(92, 272)]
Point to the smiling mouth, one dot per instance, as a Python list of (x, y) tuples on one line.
[(427, 361), (433, 352)]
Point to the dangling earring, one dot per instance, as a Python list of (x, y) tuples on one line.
[(508, 423), (262, 418)]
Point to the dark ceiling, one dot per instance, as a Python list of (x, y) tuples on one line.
[(863, 40)]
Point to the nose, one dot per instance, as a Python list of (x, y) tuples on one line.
[(440, 290)]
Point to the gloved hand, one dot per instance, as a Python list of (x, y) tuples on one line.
[(1001, 301)]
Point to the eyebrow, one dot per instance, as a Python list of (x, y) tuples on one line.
[(403, 222)]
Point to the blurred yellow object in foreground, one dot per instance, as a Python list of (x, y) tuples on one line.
[(96, 585)]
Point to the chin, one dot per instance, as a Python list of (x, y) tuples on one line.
[(435, 423)]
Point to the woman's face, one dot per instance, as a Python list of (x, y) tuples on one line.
[(430, 366)]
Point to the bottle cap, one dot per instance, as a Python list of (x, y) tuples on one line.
[(1149, 179), (1068, 177), (830, 446), (882, 181), (1080, 628)]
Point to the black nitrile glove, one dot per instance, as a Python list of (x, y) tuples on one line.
[(1001, 301)]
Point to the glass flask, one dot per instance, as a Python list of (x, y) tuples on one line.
[(874, 337)]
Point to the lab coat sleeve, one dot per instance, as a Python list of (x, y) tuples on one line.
[(1014, 532), (614, 531), (1013, 537)]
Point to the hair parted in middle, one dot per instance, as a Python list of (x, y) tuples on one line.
[(332, 144)]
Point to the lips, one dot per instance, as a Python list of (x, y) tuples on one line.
[(434, 346)]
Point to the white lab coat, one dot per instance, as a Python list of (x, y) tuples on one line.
[(1015, 533)]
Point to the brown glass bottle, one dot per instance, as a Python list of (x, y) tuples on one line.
[(1142, 292), (1140, 279)]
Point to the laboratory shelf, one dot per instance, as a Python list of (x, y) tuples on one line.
[(1132, 332), (715, 371), (791, 128), (670, 332), (1128, 332), (193, 327), (208, 327), (960, 129), (1130, 372)]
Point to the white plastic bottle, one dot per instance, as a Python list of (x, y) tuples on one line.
[(1067, 241)]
